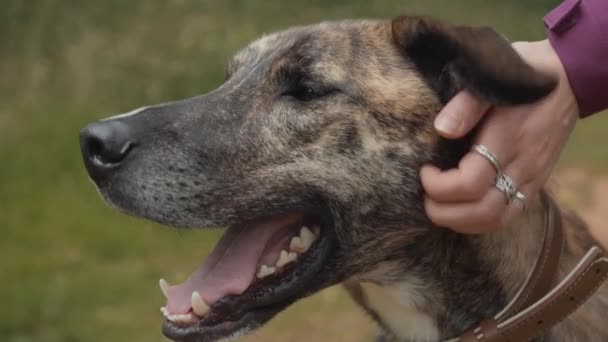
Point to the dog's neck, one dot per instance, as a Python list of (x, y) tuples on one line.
[(453, 281)]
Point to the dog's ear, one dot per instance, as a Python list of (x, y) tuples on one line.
[(452, 58)]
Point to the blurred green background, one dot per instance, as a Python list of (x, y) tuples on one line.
[(71, 269)]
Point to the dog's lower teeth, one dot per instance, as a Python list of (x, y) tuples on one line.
[(307, 236), (286, 257), (296, 244), (300, 244), (265, 271), (188, 318), (199, 307)]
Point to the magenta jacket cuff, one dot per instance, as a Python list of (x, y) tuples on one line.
[(578, 31)]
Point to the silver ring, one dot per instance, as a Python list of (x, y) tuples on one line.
[(491, 157), (508, 187)]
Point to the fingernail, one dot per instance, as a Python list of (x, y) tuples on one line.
[(447, 123)]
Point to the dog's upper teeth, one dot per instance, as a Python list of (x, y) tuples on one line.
[(286, 257), (165, 311), (265, 271), (164, 287), (199, 306)]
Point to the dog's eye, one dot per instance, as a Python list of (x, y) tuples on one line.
[(307, 93)]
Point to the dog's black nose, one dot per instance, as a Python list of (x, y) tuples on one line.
[(105, 144)]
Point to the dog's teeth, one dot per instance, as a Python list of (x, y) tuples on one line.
[(283, 259), (265, 271), (188, 318), (199, 306), (261, 272), (296, 245), (286, 258), (306, 234), (301, 243), (164, 287), (307, 237)]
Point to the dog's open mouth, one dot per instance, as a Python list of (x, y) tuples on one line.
[(255, 270)]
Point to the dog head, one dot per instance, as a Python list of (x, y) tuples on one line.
[(309, 152)]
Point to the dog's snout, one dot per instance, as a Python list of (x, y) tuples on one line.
[(106, 144)]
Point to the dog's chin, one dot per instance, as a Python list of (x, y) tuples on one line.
[(257, 269), (221, 331)]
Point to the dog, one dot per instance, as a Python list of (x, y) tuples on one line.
[(309, 153)]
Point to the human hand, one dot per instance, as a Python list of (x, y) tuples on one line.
[(526, 139)]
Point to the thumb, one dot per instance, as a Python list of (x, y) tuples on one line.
[(460, 115)]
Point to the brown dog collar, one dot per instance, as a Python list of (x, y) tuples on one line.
[(536, 308)]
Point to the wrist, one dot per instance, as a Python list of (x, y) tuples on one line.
[(542, 56)]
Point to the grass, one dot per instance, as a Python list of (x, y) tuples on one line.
[(71, 268), (587, 145)]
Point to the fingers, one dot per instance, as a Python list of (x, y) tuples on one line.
[(469, 217), (467, 199), (489, 214), (460, 115), (469, 182)]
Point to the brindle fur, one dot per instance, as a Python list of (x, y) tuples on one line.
[(245, 150)]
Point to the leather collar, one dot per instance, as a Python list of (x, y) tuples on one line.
[(537, 307)]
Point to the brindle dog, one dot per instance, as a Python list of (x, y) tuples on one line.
[(326, 126)]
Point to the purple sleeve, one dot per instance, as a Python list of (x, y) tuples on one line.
[(578, 31)]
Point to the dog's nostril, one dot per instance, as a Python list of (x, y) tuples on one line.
[(95, 146), (106, 155), (106, 144)]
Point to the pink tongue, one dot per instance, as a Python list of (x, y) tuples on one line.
[(232, 265)]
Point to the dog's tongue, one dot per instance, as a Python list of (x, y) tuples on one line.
[(231, 267)]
